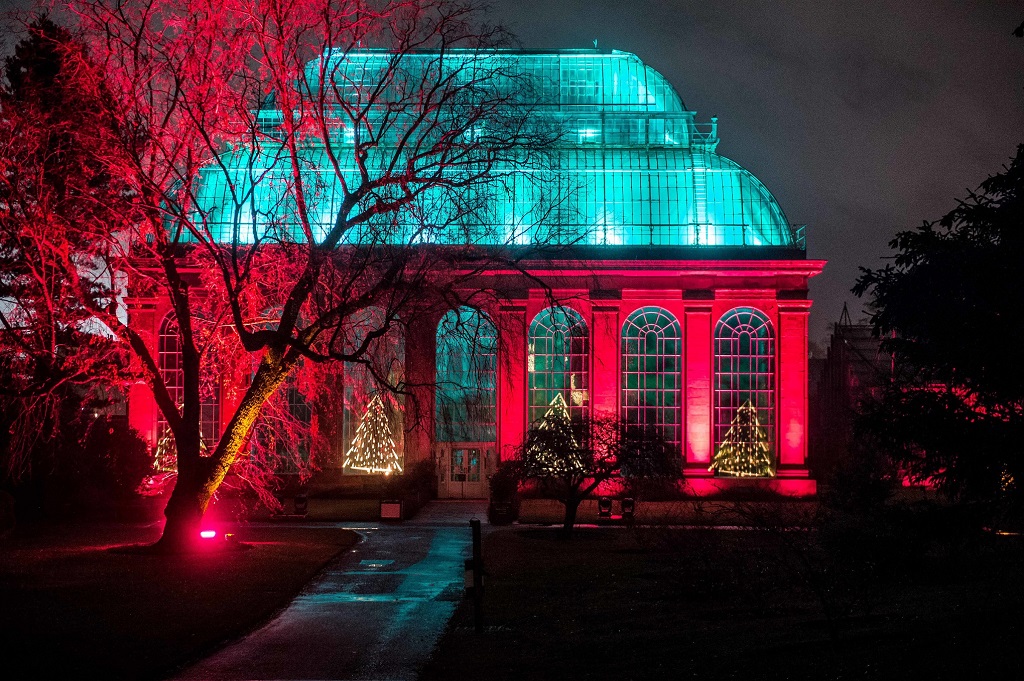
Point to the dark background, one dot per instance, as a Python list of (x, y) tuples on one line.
[(863, 118)]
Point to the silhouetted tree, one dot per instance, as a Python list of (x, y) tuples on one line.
[(571, 458), (949, 308), (58, 207)]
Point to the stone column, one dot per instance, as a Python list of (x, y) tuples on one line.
[(142, 410), (511, 322), (697, 388), (792, 387), (606, 352), (420, 370)]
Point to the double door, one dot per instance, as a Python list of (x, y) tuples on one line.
[(463, 469)]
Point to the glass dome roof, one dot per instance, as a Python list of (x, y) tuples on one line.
[(633, 168)]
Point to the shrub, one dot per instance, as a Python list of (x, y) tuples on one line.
[(504, 483)]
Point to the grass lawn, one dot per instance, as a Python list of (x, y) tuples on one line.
[(722, 604), (71, 607)]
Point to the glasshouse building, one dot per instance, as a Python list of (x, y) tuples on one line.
[(678, 298)]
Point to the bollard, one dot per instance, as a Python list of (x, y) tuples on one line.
[(628, 509)]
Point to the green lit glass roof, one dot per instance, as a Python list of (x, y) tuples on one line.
[(580, 79), (633, 168)]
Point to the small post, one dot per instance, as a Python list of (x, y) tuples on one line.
[(478, 577), (628, 509)]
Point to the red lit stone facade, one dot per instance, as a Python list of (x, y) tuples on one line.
[(696, 292)]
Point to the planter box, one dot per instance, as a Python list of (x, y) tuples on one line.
[(344, 509), (391, 509), (502, 512)]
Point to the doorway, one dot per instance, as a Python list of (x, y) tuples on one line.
[(463, 469)]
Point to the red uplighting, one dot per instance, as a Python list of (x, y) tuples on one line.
[(208, 534)]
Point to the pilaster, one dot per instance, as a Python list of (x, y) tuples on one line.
[(511, 321), (697, 398), (142, 410), (420, 368), (606, 353), (792, 386)]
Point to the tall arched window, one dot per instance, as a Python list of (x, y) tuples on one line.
[(173, 375), (466, 377), (651, 350), (558, 362), (373, 423), (283, 429), (745, 375)]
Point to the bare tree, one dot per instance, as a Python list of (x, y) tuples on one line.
[(285, 181)]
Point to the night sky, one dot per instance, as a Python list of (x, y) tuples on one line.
[(862, 118)]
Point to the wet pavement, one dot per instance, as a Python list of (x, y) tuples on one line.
[(376, 612)]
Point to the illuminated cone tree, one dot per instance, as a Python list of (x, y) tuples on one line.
[(373, 448), (571, 457), (745, 451), (556, 449)]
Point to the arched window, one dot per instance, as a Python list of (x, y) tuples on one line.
[(173, 375), (745, 382), (283, 430), (466, 377), (558, 362), (373, 424), (651, 351)]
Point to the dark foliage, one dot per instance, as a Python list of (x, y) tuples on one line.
[(570, 458), (504, 483), (91, 464), (948, 307), (58, 211)]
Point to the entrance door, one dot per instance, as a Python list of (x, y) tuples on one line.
[(463, 469)]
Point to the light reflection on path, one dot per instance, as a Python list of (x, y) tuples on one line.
[(375, 613)]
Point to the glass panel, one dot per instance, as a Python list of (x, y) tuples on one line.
[(473, 466), (173, 375), (745, 372), (558, 362), (651, 345), (373, 424), (458, 467), (466, 374), (634, 167)]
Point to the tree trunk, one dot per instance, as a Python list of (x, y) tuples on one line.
[(571, 507), (184, 514), (199, 477), (185, 508)]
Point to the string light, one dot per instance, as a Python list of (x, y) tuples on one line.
[(373, 448), (554, 450), (745, 451)]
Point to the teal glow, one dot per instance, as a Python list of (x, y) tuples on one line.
[(652, 345), (557, 362), (633, 168), (467, 350)]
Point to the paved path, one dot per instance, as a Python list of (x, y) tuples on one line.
[(375, 613)]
